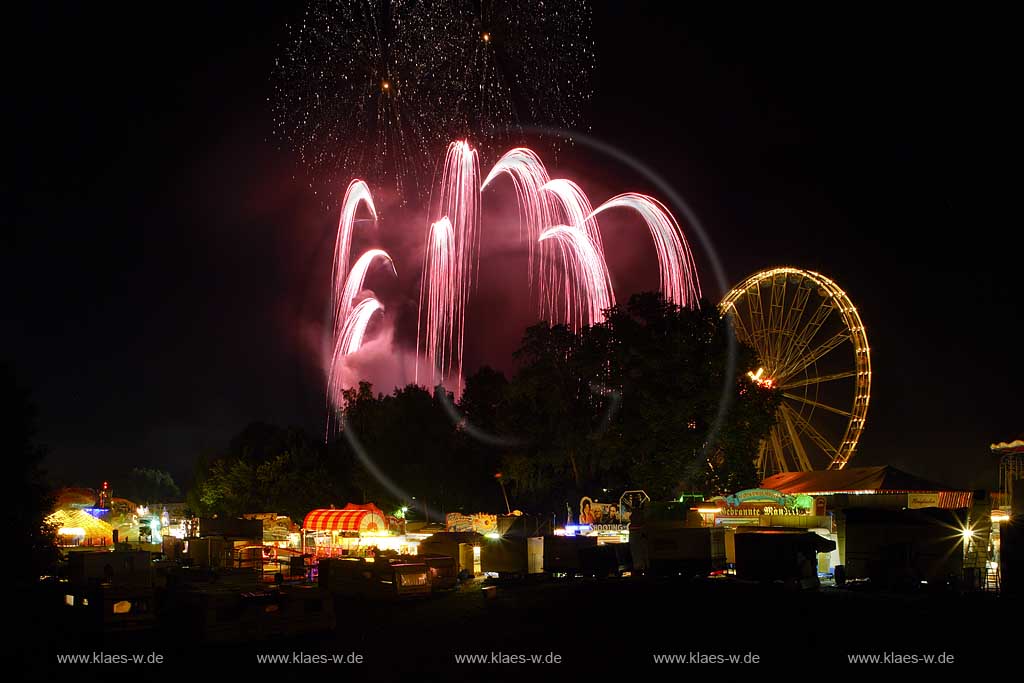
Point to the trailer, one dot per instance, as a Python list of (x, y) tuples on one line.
[(902, 547), (444, 572), (779, 554), (463, 546), (513, 557), (667, 538), (603, 561), (563, 554), (110, 590), (110, 608), (374, 578)]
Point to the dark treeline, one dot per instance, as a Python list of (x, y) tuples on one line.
[(627, 403), (267, 468), (30, 499)]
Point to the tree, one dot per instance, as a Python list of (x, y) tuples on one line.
[(32, 498), (420, 449), (645, 399), (556, 405), (635, 401), (480, 441), (481, 401), (151, 486), (266, 468), (410, 439)]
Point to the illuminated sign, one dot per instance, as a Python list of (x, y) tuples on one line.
[(481, 523), (594, 513), (758, 495), (758, 510), (749, 497), (918, 501), (753, 503)]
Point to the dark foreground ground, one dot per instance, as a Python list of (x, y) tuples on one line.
[(609, 629)]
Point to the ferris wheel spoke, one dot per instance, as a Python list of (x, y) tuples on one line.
[(816, 404), (776, 308), (757, 322), (803, 361), (798, 447), (741, 330), (799, 344), (787, 333), (759, 462), (818, 380), (796, 309), (812, 433), (780, 456)]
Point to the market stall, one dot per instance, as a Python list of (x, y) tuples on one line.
[(77, 528), (356, 530)]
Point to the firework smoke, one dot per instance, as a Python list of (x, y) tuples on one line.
[(574, 289)]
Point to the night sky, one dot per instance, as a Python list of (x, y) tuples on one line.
[(166, 264)]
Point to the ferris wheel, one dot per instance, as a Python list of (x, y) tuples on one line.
[(812, 346)]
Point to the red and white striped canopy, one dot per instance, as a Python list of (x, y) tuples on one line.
[(352, 518)]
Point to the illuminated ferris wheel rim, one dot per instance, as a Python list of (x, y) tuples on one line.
[(841, 454)]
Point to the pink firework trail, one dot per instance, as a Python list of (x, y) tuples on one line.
[(553, 211), (349, 335), (354, 284), (349, 323), (348, 340), (676, 268), (537, 209), (357, 193), (459, 202), (574, 206), (576, 209), (438, 291), (586, 268), (354, 330)]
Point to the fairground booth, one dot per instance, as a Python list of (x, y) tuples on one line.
[(879, 517), (355, 530), (78, 528), (608, 521)]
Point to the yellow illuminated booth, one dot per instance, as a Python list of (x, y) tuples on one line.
[(77, 528)]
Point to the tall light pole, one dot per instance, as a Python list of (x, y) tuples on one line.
[(508, 508)]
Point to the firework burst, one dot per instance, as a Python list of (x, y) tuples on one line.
[(529, 62), (379, 87), (357, 89)]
